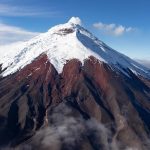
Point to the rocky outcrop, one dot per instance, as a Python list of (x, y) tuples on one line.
[(92, 90)]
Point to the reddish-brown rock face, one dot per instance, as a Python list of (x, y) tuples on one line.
[(91, 90)]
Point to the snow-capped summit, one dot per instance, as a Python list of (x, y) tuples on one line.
[(61, 43), (48, 91), (75, 20)]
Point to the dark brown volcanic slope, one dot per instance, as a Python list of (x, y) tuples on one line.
[(29, 97)]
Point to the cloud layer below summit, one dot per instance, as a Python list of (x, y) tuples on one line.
[(11, 34)]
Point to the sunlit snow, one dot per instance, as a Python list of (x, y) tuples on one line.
[(61, 43)]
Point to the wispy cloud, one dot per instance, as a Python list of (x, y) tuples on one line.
[(144, 62), (10, 34), (26, 11), (113, 29)]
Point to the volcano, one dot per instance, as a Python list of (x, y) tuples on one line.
[(65, 90)]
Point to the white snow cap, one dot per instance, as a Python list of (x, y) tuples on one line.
[(62, 43), (75, 20)]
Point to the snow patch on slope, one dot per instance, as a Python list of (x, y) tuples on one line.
[(61, 43)]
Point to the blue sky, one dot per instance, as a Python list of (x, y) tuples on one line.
[(122, 24)]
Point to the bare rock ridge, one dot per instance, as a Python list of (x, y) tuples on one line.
[(91, 104)]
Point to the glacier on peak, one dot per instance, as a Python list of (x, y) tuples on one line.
[(61, 43), (75, 20)]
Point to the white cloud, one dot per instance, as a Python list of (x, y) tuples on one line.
[(145, 62), (20, 11), (10, 34), (113, 29)]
